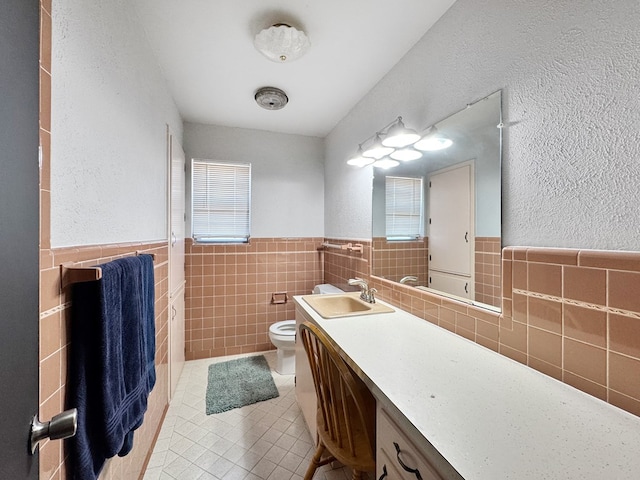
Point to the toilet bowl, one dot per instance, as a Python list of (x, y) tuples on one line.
[(283, 336)]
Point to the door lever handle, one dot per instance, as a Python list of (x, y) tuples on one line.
[(63, 425)]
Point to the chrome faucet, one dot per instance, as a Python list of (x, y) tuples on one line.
[(367, 294), (408, 278)]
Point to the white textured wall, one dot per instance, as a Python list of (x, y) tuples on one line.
[(287, 175), (570, 70), (110, 108)]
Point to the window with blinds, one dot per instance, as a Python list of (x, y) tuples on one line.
[(220, 202), (404, 208)]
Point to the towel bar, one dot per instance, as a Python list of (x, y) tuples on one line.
[(345, 246), (140, 252), (70, 274), (331, 245)]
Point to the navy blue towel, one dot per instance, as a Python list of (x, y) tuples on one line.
[(112, 368)]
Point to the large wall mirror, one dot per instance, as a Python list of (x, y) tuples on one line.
[(437, 219)]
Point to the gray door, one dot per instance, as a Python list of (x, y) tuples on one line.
[(19, 231)]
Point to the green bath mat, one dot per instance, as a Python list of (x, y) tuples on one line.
[(239, 382)]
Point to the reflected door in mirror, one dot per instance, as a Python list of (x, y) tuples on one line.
[(451, 230)]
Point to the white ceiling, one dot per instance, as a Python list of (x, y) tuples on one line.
[(205, 49)]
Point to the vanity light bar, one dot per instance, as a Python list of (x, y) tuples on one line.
[(399, 143), (406, 154), (377, 150), (385, 163), (399, 136)]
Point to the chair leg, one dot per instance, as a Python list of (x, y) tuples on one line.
[(357, 475), (315, 462)]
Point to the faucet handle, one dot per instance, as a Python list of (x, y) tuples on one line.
[(372, 295)]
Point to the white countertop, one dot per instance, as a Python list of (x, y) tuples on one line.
[(490, 417)]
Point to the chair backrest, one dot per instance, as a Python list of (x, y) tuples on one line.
[(346, 408)]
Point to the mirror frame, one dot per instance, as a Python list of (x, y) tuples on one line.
[(486, 248)]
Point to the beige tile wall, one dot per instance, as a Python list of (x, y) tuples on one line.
[(575, 315), (487, 270), (340, 265), (571, 314), (230, 287), (55, 308), (394, 260)]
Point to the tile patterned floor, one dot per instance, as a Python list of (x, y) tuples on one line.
[(265, 441)]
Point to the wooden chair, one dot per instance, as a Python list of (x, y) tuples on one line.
[(346, 408)]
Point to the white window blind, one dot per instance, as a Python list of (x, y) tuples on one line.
[(404, 211), (220, 202)]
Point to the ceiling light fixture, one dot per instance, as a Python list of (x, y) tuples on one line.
[(433, 141), (397, 142), (386, 163), (271, 98), (358, 160), (377, 150), (400, 136), (406, 154), (282, 43)]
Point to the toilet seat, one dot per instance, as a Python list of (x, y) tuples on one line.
[(284, 328), (283, 336)]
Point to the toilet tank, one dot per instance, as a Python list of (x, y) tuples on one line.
[(325, 288)]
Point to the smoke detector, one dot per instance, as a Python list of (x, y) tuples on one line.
[(271, 98)]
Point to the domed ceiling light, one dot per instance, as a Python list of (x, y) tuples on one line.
[(282, 43), (271, 98)]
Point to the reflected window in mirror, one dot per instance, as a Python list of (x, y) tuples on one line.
[(404, 208), (466, 145)]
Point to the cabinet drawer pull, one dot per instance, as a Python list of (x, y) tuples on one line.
[(415, 471), (384, 473)]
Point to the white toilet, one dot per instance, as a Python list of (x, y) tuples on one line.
[(283, 336)]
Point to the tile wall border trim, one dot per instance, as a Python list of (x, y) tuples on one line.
[(54, 310), (577, 303)]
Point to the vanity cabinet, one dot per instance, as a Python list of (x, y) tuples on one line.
[(458, 410), (305, 390), (388, 429), (390, 440)]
